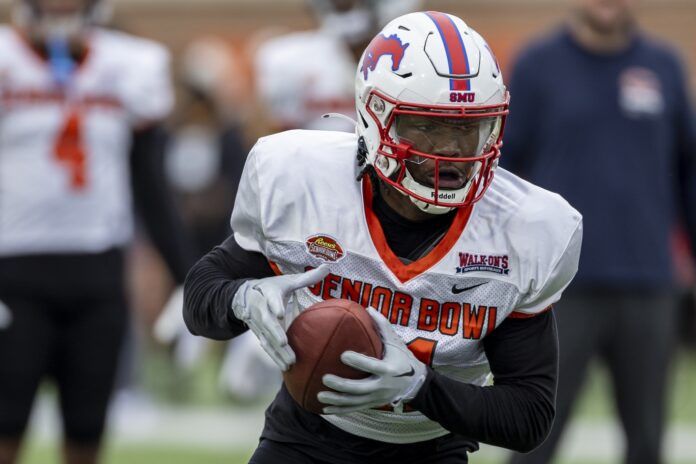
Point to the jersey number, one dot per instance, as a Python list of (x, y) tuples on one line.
[(70, 152), (423, 349)]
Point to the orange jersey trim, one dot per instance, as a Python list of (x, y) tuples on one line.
[(406, 272), (275, 268), (519, 315)]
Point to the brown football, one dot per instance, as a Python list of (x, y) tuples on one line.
[(318, 336)]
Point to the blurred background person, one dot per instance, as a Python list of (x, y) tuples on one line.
[(207, 151), (600, 114), (80, 137), (204, 162)]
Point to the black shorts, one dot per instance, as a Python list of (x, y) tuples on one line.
[(68, 326), (294, 436)]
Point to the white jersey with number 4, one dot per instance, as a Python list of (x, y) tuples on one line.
[(64, 152), (510, 255)]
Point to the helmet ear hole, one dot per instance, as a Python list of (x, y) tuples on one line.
[(378, 106)]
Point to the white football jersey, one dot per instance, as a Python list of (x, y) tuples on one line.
[(64, 155), (301, 76), (510, 255)]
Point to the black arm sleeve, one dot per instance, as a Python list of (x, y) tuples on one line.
[(211, 285), (154, 201), (518, 410)]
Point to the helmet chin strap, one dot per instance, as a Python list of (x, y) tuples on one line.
[(456, 196)]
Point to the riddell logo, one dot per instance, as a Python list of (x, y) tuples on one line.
[(443, 196), (324, 248), (383, 46)]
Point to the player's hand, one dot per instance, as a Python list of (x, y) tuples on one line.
[(170, 323), (395, 379), (261, 304), (170, 329), (5, 316)]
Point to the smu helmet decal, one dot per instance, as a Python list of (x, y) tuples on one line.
[(383, 46)]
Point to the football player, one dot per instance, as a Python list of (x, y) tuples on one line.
[(79, 129), (458, 268)]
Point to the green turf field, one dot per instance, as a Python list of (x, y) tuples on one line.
[(143, 455), (164, 456), (595, 407)]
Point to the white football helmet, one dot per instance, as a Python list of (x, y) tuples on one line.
[(60, 18), (431, 109)]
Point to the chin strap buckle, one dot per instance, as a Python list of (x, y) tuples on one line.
[(362, 159)]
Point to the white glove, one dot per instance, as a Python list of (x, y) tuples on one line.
[(5, 316), (170, 323), (247, 373), (395, 379), (171, 329), (261, 304)]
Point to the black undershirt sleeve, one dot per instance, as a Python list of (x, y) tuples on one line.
[(211, 285), (518, 410), (154, 201)]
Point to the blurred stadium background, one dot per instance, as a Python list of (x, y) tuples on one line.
[(165, 414)]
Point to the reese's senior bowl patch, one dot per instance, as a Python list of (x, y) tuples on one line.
[(324, 247)]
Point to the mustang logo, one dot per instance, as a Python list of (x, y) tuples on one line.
[(382, 46)]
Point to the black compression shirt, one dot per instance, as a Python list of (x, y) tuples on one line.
[(515, 413)]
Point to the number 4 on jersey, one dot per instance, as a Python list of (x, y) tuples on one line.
[(69, 151)]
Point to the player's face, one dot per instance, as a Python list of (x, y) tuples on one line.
[(453, 138), (57, 18), (606, 16)]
